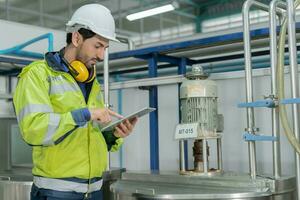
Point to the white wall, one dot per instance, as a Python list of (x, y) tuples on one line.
[(231, 91)]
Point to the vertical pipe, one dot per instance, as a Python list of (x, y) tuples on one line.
[(249, 92), (275, 111), (7, 10), (70, 8), (181, 156), (120, 15), (294, 80), (178, 25), (127, 40), (41, 13), (153, 102), (120, 111), (183, 144), (106, 78), (141, 31), (8, 85), (219, 153), (161, 26), (106, 89), (205, 161), (120, 92)]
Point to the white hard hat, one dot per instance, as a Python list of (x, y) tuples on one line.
[(94, 17)]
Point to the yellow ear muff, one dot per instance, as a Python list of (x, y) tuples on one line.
[(81, 72)]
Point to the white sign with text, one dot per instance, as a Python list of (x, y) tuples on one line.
[(186, 131)]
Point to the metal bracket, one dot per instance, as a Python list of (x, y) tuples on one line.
[(251, 137), (252, 130)]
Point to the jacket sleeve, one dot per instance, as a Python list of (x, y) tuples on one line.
[(113, 143), (39, 124)]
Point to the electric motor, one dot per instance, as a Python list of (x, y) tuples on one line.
[(198, 97)]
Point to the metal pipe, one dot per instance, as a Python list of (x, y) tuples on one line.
[(142, 31), (205, 158), (120, 94), (181, 156), (219, 153), (182, 70), (7, 9), (153, 102), (127, 40), (275, 111), (106, 90), (42, 21), (106, 78), (294, 79), (249, 92), (260, 6)]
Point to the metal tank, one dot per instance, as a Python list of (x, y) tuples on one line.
[(201, 122), (226, 186), (15, 187), (15, 171)]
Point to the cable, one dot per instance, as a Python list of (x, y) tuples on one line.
[(280, 76)]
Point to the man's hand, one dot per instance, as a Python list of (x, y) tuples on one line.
[(103, 115), (125, 128)]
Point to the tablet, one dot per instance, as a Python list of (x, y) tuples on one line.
[(139, 113)]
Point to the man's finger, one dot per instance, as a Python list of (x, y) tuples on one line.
[(128, 125), (133, 121), (112, 113), (124, 128), (120, 132)]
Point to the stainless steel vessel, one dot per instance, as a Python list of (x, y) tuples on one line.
[(15, 187), (18, 186), (141, 186)]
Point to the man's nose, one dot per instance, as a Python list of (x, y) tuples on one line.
[(100, 55)]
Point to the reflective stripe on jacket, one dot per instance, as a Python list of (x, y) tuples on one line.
[(66, 186), (50, 110)]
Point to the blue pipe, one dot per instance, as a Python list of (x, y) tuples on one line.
[(17, 50), (182, 70), (216, 68), (242, 62), (153, 102)]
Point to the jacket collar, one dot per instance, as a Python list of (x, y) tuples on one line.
[(55, 62)]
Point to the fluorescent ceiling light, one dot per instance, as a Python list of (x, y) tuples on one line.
[(151, 12)]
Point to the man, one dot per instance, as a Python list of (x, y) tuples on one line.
[(57, 102)]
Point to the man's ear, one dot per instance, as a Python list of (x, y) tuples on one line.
[(76, 38)]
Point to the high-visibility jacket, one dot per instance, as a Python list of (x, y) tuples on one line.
[(51, 112)]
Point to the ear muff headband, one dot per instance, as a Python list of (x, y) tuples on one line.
[(92, 74)]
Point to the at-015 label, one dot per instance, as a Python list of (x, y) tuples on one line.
[(186, 131)]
